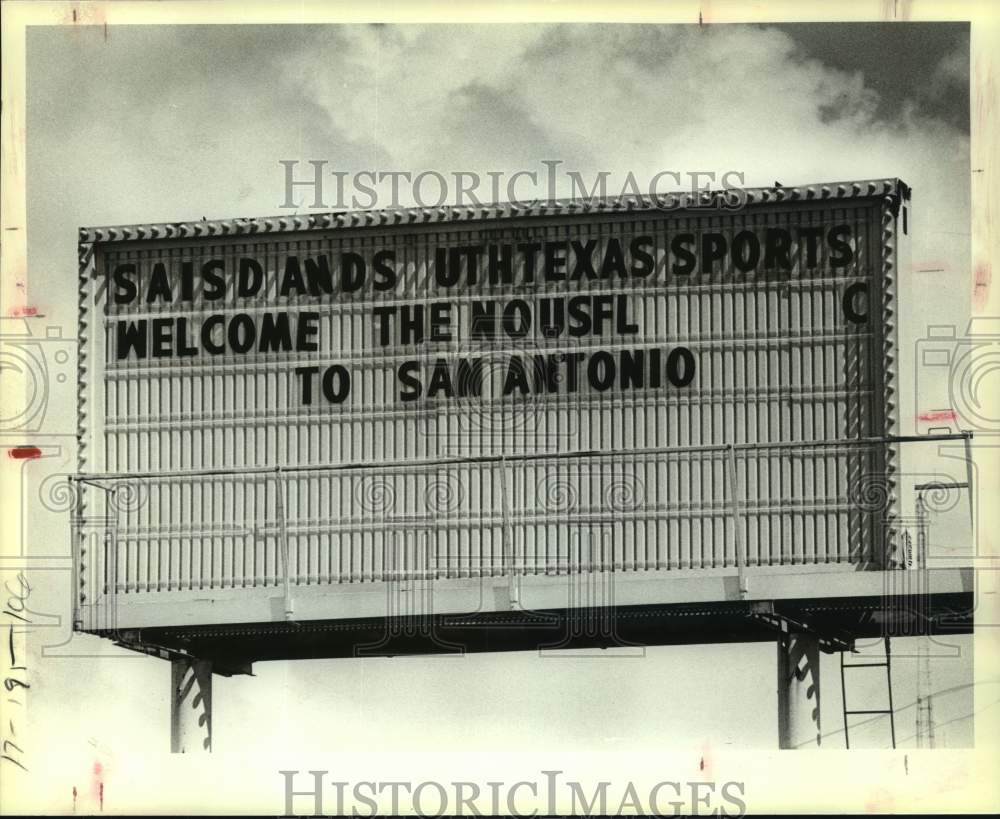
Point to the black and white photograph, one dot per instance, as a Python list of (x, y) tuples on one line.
[(570, 409)]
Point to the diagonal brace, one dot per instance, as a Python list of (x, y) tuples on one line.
[(830, 640)]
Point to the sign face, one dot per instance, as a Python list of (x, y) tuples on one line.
[(536, 394)]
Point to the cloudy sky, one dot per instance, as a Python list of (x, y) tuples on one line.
[(130, 125), (143, 124)]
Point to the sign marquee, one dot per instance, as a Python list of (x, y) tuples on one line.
[(309, 408)]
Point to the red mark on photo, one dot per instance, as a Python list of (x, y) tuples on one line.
[(24, 452), (22, 312), (929, 266), (981, 285), (938, 415), (97, 786), (705, 765)]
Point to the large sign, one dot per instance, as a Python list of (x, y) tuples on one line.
[(663, 390)]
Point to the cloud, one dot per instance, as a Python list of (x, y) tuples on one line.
[(162, 123), (400, 89), (950, 76), (617, 98), (642, 99)]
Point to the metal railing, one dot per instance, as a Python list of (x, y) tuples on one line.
[(726, 515)]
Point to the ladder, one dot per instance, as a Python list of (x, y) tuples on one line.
[(844, 666), (925, 702)]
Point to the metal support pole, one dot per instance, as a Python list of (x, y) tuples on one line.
[(734, 511), (508, 540), (190, 705), (968, 480), (843, 692), (921, 538), (798, 691), (888, 677), (112, 568), (283, 534)]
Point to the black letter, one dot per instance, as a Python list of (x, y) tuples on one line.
[(241, 345), (384, 315), (446, 274), (679, 379), (352, 272), (385, 273), (524, 325), (614, 261), (184, 349), (206, 334), (684, 256), (217, 280), (484, 320), (343, 384), (642, 260), (515, 377), (163, 329), (251, 287), (292, 278), (713, 249), (274, 333), (187, 281), (852, 314), (811, 235), (440, 380), (441, 321), (844, 251), (601, 370), (306, 374), (127, 291), (159, 285), (578, 309), (470, 378), (633, 369), (777, 244), (746, 251), (555, 262), (131, 334), (306, 329), (405, 376), (318, 275), (583, 255)]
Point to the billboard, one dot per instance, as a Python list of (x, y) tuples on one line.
[(280, 416)]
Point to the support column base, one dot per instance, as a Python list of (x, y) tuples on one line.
[(190, 706)]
